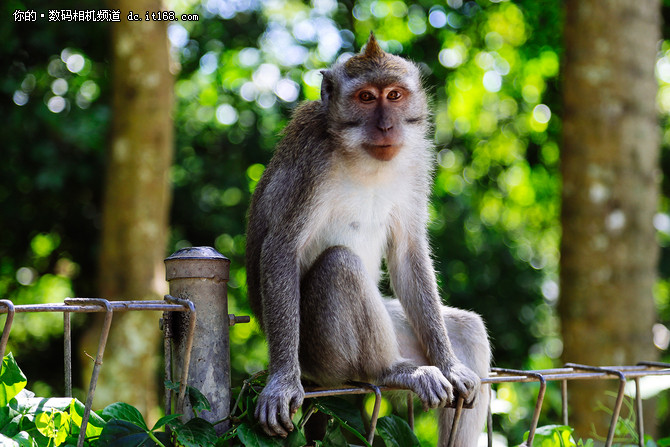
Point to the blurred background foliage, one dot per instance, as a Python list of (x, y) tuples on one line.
[(492, 68)]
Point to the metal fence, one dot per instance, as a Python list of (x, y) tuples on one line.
[(196, 342)]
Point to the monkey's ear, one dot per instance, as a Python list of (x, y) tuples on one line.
[(327, 86), (372, 48)]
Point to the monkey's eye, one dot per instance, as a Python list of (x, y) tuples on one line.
[(394, 95), (366, 96)]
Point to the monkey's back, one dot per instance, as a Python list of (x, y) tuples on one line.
[(285, 190)]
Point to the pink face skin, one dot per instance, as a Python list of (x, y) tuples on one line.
[(384, 107)]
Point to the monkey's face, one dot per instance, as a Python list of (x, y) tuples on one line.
[(375, 103), (381, 109), (378, 119)]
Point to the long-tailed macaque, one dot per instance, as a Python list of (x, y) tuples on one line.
[(347, 188)]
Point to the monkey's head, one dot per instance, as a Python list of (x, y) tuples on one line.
[(375, 103)]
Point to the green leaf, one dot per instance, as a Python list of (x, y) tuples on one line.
[(343, 412), (296, 438), (95, 422), (553, 436), (53, 424), (21, 439), (195, 433), (334, 436), (12, 380), (121, 433), (165, 420), (254, 438), (395, 432), (198, 400), (125, 412)]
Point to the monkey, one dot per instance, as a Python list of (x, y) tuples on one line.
[(347, 190)]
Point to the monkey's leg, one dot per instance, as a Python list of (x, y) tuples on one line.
[(347, 334), (470, 343)]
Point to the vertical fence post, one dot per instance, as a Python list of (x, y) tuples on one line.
[(200, 274)]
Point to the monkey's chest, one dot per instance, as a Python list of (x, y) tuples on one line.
[(358, 220)]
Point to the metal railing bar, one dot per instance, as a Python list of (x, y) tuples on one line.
[(455, 422), (564, 401), (166, 326), (118, 306), (109, 313), (538, 403), (67, 355), (375, 411), (9, 308), (190, 307), (619, 399), (638, 411), (489, 420)]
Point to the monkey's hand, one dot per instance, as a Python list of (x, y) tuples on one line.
[(278, 402), (464, 380)]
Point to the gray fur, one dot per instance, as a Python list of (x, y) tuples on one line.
[(322, 218)]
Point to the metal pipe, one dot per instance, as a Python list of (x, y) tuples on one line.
[(201, 346)]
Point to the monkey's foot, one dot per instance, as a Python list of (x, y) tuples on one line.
[(428, 382), (465, 382)]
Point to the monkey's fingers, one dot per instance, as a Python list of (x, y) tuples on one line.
[(436, 390), (285, 418), (266, 414), (465, 381)]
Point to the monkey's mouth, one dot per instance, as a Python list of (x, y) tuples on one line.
[(382, 152)]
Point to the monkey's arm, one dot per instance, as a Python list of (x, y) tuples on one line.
[(414, 283), (280, 287)]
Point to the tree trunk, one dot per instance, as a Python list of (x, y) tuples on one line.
[(136, 204), (610, 171)]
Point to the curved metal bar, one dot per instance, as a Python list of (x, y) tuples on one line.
[(9, 306), (638, 411), (375, 411), (187, 304), (456, 421), (489, 420), (564, 401), (67, 353), (109, 313), (538, 403), (619, 399)]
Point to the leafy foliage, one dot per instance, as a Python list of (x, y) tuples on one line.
[(26, 420)]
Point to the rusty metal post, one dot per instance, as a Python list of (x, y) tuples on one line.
[(200, 274)]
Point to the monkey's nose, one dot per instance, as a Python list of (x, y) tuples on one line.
[(384, 127)]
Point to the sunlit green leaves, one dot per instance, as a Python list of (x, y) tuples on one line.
[(53, 424), (12, 380)]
